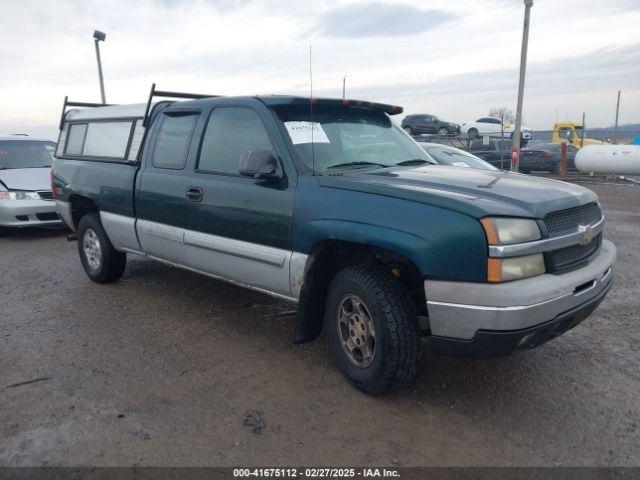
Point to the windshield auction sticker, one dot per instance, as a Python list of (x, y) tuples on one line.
[(306, 132)]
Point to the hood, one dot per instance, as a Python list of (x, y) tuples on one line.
[(26, 178), (474, 192)]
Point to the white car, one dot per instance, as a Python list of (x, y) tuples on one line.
[(493, 127), (26, 199)]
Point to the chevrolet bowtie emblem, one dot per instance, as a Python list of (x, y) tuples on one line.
[(587, 232)]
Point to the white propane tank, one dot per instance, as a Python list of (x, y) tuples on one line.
[(619, 159)]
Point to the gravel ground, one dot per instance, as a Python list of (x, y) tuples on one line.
[(167, 367)]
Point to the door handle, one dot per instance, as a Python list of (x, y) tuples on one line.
[(194, 194)]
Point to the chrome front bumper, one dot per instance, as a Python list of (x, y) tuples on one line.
[(459, 310), (24, 213)]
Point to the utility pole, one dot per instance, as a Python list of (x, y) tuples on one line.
[(523, 68), (615, 128), (99, 36), (502, 141), (344, 85)]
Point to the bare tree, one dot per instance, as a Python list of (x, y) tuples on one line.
[(502, 112)]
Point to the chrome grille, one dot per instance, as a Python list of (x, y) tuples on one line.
[(45, 195), (567, 221)]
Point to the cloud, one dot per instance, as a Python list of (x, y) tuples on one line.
[(391, 51), (565, 86), (375, 19)]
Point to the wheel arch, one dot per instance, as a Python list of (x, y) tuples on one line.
[(79, 206), (328, 256)]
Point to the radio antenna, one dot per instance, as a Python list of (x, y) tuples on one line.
[(313, 157)]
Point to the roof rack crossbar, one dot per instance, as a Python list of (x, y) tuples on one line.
[(68, 103), (167, 94)]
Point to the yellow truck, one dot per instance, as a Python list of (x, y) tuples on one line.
[(571, 132)]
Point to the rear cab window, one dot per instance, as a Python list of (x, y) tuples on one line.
[(173, 139)]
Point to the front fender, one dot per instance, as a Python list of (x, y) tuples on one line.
[(443, 244), (404, 243)]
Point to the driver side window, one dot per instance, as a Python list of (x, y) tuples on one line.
[(565, 133), (231, 131)]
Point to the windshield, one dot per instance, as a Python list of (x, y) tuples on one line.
[(458, 158), (25, 154), (347, 138)]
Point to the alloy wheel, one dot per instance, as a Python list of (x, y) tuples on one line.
[(92, 249), (356, 331)]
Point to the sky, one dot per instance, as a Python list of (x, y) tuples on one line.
[(455, 59)]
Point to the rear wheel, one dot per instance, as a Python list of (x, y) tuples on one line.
[(443, 132), (408, 130), (101, 261), (372, 329)]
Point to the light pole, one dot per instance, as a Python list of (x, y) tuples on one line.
[(523, 68), (99, 36), (615, 128)]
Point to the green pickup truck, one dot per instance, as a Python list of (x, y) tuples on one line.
[(329, 204)]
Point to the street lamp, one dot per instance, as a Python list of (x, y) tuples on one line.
[(99, 36), (523, 67)]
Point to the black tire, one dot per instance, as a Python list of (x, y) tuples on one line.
[(106, 264), (5, 231), (397, 346), (409, 130), (443, 132), (473, 133)]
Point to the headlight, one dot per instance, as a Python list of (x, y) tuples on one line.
[(506, 231), (515, 268), (19, 196)]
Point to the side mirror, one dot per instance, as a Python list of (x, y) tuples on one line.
[(261, 164)]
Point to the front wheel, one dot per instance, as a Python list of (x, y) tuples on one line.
[(101, 261), (372, 329), (408, 130), (473, 133)]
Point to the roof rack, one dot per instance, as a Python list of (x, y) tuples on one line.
[(167, 94), (67, 103)]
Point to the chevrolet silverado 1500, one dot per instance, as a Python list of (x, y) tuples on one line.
[(331, 205)]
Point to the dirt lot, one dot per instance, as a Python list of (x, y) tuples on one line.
[(163, 367)]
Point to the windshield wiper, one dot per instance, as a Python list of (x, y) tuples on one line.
[(415, 161), (356, 164)]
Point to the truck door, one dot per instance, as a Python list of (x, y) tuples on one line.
[(238, 228), (160, 203)]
